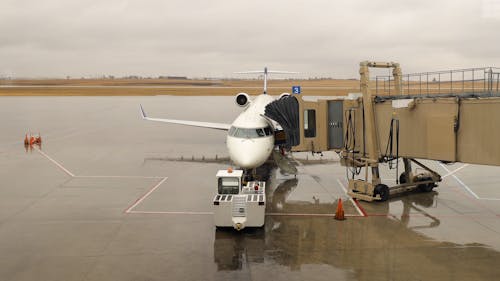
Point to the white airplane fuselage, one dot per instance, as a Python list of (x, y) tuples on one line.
[(250, 140)]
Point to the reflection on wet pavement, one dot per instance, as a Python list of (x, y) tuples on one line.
[(54, 226), (386, 245)]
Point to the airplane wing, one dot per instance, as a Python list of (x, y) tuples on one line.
[(219, 160), (217, 126)]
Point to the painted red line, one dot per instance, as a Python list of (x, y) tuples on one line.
[(381, 215), (211, 213), (55, 162), (361, 213), (436, 216), (140, 199), (360, 208), (307, 215)]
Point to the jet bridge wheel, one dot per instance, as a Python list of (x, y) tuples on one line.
[(382, 190), (426, 187)]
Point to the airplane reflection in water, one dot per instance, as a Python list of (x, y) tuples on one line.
[(384, 243)]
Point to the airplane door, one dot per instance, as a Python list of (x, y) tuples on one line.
[(335, 125)]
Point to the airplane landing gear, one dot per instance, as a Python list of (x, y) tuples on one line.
[(249, 175)]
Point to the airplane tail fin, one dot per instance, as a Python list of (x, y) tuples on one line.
[(266, 72)]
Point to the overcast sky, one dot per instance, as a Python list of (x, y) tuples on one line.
[(216, 38)]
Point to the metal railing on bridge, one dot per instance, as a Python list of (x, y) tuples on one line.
[(476, 81)]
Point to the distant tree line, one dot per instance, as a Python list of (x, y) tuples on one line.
[(139, 77)]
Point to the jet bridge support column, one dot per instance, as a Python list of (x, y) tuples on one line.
[(369, 120), (364, 189), (373, 189), (406, 175)]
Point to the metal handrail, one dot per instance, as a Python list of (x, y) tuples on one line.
[(484, 80)]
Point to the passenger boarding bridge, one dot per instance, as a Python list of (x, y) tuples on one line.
[(448, 116)]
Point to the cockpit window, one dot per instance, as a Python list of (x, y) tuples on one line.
[(232, 130), (250, 133), (268, 131), (246, 133)]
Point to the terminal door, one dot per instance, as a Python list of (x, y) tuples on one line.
[(335, 125)]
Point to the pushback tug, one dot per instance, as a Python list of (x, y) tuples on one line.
[(239, 204)]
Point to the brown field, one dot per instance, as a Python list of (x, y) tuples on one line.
[(184, 87), (139, 87)]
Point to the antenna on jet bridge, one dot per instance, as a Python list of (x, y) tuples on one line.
[(265, 72)]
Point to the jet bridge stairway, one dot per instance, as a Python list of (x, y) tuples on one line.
[(435, 116)]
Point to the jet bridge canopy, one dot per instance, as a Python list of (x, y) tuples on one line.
[(285, 111)]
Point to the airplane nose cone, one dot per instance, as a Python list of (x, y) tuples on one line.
[(247, 161), (248, 153)]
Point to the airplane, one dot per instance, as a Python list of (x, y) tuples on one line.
[(250, 138)]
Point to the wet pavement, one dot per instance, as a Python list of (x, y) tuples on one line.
[(103, 200)]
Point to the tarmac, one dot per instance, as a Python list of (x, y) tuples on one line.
[(107, 197)]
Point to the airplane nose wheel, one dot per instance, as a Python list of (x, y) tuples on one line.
[(249, 175)]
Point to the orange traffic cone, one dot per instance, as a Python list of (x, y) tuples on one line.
[(339, 214), (38, 140)]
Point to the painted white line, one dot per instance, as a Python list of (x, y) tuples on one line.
[(345, 191), (350, 199), (460, 182), (138, 201), (454, 171), (124, 177), (129, 210), (55, 162), (170, 213), (464, 185)]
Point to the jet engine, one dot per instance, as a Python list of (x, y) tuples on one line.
[(242, 99), (284, 95)]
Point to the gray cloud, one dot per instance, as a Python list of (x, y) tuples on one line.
[(216, 38)]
